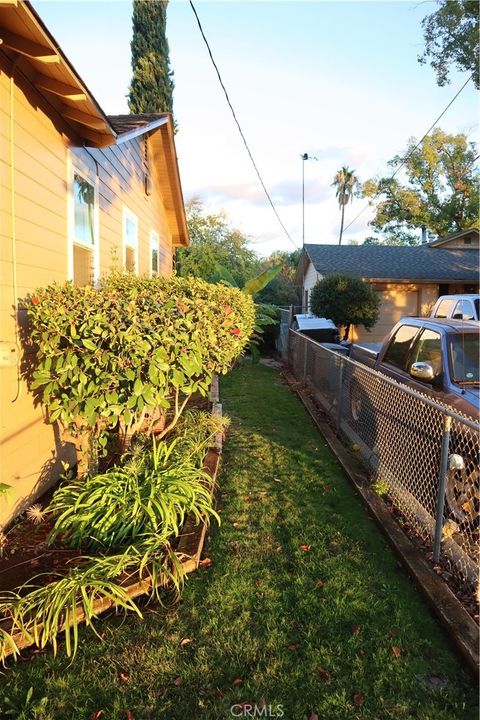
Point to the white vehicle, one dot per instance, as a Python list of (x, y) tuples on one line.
[(457, 307)]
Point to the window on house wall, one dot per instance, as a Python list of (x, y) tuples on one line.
[(154, 254), (84, 229), (130, 241)]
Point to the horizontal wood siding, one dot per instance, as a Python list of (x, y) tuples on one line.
[(30, 449)]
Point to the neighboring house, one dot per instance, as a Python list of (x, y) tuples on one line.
[(408, 279), (81, 193)]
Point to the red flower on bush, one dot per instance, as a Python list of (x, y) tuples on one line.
[(35, 300), (235, 331), (227, 309)]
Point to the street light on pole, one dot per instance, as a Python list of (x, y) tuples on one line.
[(304, 156)]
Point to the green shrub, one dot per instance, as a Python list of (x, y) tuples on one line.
[(130, 354), (152, 492), (346, 300)]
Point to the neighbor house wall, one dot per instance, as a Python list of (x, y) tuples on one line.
[(35, 252), (310, 279)]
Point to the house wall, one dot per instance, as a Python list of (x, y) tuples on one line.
[(34, 251), (310, 279), (466, 241)]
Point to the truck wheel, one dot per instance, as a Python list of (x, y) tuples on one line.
[(462, 493)]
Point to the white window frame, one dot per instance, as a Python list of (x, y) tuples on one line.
[(127, 214), (76, 166), (154, 245)]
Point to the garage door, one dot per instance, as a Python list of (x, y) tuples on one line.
[(394, 304)]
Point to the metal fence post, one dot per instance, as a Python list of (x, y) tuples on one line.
[(339, 395), (305, 354), (442, 481)]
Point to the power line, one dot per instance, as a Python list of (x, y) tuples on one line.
[(408, 156), (240, 129)]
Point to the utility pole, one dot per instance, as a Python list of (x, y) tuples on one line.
[(304, 156)]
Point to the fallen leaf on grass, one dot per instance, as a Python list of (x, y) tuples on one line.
[(237, 681), (97, 714), (218, 693), (359, 699), (313, 716), (325, 488), (258, 582), (319, 584), (361, 652), (356, 629), (205, 563), (305, 548), (396, 651), (129, 715), (185, 641), (234, 548), (392, 633), (293, 646), (278, 549), (178, 681), (324, 674), (123, 676), (276, 480)]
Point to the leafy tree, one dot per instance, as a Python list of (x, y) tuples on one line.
[(451, 37), (440, 192), (345, 300), (151, 89), (345, 183), (214, 243), (281, 290), (393, 239)]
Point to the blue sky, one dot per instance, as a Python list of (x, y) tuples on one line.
[(339, 80)]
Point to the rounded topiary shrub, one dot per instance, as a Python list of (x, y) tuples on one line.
[(131, 353)]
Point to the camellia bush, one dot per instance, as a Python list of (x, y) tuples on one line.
[(130, 354)]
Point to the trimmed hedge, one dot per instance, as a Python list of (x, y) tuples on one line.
[(130, 354)]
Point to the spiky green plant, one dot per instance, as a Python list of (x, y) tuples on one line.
[(41, 612), (153, 492), (195, 433)]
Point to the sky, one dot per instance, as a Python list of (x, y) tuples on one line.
[(337, 80)]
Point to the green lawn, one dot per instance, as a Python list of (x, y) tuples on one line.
[(304, 603)]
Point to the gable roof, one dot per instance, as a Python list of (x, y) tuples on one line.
[(471, 232), (23, 35), (385, 263)]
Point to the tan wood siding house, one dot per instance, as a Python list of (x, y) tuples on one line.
[(408, 279), (80, 193)]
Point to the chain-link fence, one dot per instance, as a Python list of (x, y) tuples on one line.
[(422, 457), (282, 338)]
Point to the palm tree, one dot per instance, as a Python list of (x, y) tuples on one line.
[(345, 182)]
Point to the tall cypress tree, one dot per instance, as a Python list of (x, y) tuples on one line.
[(151, 89)]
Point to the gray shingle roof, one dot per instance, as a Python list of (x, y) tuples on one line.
[(396, 263)]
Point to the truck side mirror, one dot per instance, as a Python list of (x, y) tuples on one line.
[(422, 371)]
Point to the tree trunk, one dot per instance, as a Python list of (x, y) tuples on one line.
[(341, 224)]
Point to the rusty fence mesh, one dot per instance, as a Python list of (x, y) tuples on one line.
[(422, 457)]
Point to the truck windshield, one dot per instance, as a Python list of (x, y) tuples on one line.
[(464, 353)]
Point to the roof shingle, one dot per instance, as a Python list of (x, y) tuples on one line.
[(383, 262)]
